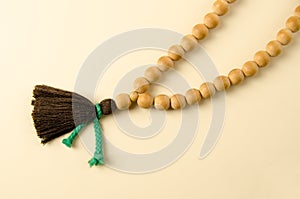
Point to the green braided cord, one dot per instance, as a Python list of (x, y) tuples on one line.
[(98, 154), (68, 141)]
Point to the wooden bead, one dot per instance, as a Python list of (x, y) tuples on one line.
[(297, 12), (220, 7), (193, 96), (211, 20), (250, 68), (274, 48), (133, 96), (230, 1), (176, 52), (188, 42), (262, 58), (207, 90), (236, 76), (200, 31), (141, 85), (178, 101), (123, 101), (293, 23), (162, 102), (284, 36), (152, 74), (165, 63), (222, 83), (145, 100)]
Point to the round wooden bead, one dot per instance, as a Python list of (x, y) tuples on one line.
[(284, 36), (261, 58), (220, 7), (293, 23), (236, 76), (162, 102), (152, 74), (141, 85), (250, 68), (145, 100), (133, 96), (222, 83), (176, 52), (230, 1), (297, 12), (188, 42), (178, 101), (200, 31), (274, 48), (193, 96), (207, 90), (211, 20), (123, 101), (165, 63)]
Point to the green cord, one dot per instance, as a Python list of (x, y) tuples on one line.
[(98, 154), (68, 141), (98, 157), (98, 111)]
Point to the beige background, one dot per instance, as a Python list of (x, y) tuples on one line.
[(47, 41)]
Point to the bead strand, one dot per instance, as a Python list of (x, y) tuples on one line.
[(206, 90), (187, 43)]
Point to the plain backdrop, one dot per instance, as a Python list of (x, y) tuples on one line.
[(258, 155)]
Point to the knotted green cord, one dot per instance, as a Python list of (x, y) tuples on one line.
[(98, 154)]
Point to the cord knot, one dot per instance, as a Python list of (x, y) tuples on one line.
[(98, 111), (98, 159)]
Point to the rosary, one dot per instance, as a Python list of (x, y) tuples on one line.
[(57, 112)]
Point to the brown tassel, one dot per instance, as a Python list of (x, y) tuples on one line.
[(57, 112)]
